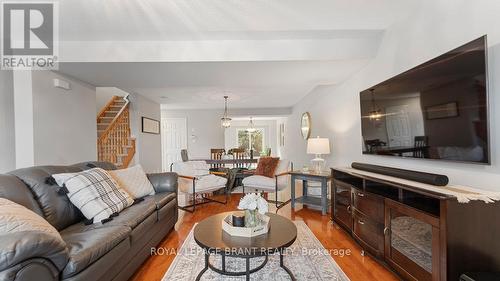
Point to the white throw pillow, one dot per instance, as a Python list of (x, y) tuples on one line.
[(95, 193), (17, 218), (134, 181)]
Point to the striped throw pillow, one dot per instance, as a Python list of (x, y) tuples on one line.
[(95, 193)]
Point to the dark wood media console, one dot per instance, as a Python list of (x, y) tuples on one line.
[(421, 234)]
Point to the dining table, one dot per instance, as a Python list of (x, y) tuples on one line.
[(228, 161), (234, 175)]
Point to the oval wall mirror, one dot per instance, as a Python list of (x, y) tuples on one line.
[(305, 125)]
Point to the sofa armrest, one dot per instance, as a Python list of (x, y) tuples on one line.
[(222, 174), (32, 269), (164, 182), (17, 247), (187, 177), (282, 174)]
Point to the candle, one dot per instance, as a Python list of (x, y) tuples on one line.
[(239, 220)]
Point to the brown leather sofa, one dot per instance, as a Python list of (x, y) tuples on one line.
[(110, 251)]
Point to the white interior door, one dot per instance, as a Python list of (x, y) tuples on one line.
[(398, 126), (174, 139)]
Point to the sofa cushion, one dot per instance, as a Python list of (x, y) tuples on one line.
[(162, 199), (15, 190), (88, 243), (168, 212), (95, 193), (142, 232), (107, 266), (191, 168), (259, 181), (205, 183), (266, 183), (135, 214), (56, 208), (134, 181), (24, 235)]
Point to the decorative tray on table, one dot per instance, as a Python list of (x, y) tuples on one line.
[(261, 228)]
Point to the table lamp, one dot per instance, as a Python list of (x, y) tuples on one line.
[(318, 146)]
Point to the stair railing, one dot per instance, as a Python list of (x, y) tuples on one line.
[(113, 141)]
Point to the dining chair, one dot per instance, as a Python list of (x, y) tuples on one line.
[(239, 154), (216, 154), (279, 182), (195, 179), (420, 141)]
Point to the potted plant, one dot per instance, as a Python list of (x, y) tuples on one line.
[(253, 204)]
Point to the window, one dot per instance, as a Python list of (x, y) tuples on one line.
[(249, 141)]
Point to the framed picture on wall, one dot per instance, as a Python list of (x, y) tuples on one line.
[(440, 111), (150, 126)]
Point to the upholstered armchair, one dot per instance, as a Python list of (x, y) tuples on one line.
[(195, 179), (279, 182)]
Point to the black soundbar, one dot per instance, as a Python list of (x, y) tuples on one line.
[(434, 179)]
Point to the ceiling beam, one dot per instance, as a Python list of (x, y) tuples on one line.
[(363, 47), (239, 112)]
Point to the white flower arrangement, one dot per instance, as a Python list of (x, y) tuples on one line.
[(253, 201)]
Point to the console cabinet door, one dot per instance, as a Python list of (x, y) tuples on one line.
[(369, 233), (411, 242), (342, 204)]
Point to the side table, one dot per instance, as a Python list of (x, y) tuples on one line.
[(322, 177)]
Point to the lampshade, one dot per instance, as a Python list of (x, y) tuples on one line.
[(318, 146)]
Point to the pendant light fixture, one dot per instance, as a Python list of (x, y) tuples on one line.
[(225, 120), (375, 113), (251, 126)]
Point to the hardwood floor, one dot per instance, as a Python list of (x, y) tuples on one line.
[(356, 267)]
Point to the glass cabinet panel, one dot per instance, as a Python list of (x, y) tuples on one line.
[(412, 241), (412, 238)]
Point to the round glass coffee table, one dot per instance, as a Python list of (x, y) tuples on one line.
[(209, 235)]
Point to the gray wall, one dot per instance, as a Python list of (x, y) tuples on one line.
[(7, 125), (148, 146), (64, 129), (64, 121), (429, 32)]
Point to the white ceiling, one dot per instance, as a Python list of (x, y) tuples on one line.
[(203, 84), (133, 20), (189, 54)]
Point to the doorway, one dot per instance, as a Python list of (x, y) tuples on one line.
[(174, 139)]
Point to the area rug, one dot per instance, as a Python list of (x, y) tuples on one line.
[(306, 258)]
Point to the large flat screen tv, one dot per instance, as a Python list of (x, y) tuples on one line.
[(437, 110)]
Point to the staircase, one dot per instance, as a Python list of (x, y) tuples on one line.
[(114, 142)]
